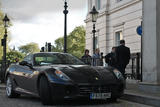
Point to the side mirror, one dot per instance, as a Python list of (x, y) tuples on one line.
[(23, 63)]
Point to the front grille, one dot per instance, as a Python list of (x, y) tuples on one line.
[(87, 89)]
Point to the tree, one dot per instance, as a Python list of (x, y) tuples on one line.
[(1, 33), (59, 43), (75, 42), (13, 55), (29, 48)]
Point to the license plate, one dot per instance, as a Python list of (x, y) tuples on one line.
[(100, 95)]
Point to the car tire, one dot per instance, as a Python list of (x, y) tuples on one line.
[(45, 91), (9, 89)]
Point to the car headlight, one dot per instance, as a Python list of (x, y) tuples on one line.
[(61, 75), (118, 74)]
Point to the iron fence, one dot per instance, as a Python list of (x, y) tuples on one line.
[(93, 61), (3, 70), (133, 69)]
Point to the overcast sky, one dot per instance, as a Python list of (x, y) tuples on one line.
[(41, 21)]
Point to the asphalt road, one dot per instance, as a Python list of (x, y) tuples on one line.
[(27, 101)]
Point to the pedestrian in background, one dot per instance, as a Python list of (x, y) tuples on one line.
[(110, 58), (101, 59), (122, 57), (96, 58), (86, 58)]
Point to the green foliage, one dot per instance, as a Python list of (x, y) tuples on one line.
[(29, 48), (58, 45), (13, 55), (2, 33), (75, 42)]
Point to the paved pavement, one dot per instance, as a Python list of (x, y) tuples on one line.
[(27, 101), (135, 94)]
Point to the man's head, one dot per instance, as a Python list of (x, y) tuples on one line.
[(86, 52), (113, 49), (97, 50), (122, 42)]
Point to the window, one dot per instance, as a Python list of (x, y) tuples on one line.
[(98, 4), (54, 59), (89, 5), (118, 37), (28, 59), (118, 0)]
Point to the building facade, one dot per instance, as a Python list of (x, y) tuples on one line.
[(117, 19)]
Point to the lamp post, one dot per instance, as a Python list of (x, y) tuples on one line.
[(65, 25), (6, 23), (94, 14)]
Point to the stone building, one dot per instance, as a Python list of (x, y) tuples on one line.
[(118, 19)]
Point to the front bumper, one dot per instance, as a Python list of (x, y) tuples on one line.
[(60, 91)]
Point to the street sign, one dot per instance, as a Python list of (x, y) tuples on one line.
[(139, 30)]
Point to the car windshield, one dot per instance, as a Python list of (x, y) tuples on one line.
[(56, 58)]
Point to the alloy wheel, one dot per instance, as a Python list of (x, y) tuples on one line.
[(8, 86)]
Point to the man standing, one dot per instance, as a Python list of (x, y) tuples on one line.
[(110, 58), (86, 58), (122, 57)]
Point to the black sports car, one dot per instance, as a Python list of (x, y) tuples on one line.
[(56, 76)]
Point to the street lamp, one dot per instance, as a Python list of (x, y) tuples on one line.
[(6, 24), (94, 14), (65, 25)]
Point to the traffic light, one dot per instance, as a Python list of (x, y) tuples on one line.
[(42, 49), (49, 47)]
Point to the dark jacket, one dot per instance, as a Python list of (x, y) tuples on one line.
[(122, 56), (86, 59), (110, 59)]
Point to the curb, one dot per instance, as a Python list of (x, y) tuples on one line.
[(143, 99)]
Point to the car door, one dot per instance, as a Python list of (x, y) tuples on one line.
[(25, 74)]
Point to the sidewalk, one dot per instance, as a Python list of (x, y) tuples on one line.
[(2, 86), (132, 93)]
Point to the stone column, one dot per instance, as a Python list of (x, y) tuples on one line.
[(151, 44)]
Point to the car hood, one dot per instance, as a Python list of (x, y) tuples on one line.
[(85, 73)]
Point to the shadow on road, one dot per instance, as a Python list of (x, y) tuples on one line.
[(75, 102)]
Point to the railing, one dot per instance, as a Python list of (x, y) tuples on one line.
[(93, 61), (3, 70), (133, 70)]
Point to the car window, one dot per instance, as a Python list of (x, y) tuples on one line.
[(28, 58), (48, 59), (44, 60)]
